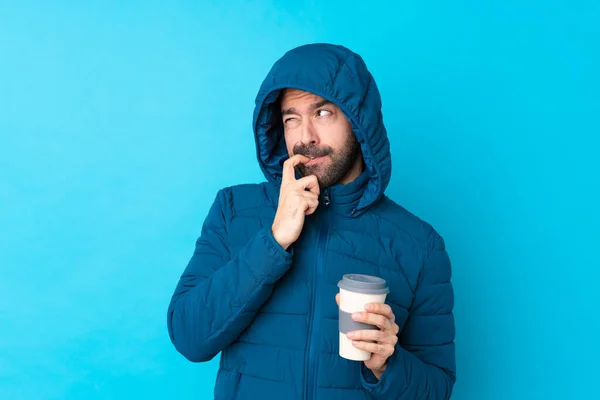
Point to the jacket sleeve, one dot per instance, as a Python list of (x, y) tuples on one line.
[(217, 295), (423, 363)]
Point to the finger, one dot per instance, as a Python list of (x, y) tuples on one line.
[(337, 299), (381, 308), (288, 173), (312, 206), (373, 335), (373, 319), (311, 183), (384, 350), (310, 195)]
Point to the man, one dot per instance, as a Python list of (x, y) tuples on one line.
[(261, 286)]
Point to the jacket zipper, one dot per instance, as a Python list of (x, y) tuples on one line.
[(311, 370)]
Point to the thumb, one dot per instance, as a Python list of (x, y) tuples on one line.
[(337, 299)]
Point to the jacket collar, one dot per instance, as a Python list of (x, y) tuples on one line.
[(344, 198)]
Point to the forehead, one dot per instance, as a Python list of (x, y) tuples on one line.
[(296, 97)]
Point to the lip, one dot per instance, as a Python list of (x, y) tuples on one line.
[(315, 160)]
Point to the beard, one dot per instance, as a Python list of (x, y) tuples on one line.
[(342, 161)]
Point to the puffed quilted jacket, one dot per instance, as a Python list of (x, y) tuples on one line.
[(271, 313)]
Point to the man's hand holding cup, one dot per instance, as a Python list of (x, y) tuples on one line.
[(372, 331)]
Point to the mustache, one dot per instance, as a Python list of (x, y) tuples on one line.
[(311, 151)]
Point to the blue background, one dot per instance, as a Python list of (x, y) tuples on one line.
[(119, 122)]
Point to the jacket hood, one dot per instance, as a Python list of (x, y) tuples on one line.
[(340, 76)]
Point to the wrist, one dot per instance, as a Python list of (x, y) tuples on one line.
[(378, 372), (282, 243)]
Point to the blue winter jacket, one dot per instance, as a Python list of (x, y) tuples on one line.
[(272, 313)]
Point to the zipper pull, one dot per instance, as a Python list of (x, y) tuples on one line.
[(326, 197)]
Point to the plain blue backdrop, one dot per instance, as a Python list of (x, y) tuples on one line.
[(119, 122)]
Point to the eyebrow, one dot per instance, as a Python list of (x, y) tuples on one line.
[(313, 106)]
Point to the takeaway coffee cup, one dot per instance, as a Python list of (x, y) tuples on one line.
[(356, 291)]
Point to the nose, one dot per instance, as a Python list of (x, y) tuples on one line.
[(309, 133)]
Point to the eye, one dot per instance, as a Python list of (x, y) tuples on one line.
[(323, 113)]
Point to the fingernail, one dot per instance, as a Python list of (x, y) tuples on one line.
[(369, 307), (356, 316), (350, 335)]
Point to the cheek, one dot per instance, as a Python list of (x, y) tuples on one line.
[(290, 141), (338, 136)]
